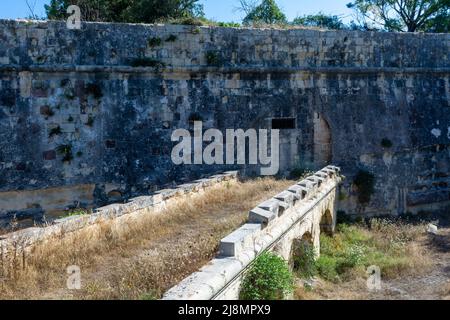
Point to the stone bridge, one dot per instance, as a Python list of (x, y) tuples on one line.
[(296, 215)]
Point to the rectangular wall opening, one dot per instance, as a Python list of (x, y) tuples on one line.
[(283, 123)]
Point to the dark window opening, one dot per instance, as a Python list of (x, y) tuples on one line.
[(283, 123)]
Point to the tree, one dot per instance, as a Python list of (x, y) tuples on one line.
[(440, 23), (400, 15), (267, 12), (320, 20), (137, 11)]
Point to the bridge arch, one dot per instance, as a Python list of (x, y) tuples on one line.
[(327, 222), (300, 250)]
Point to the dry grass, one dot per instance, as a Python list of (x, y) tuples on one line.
[(397, 248), (143, 255)]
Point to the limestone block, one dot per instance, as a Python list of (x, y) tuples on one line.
[(337, 170), (188, 187), (191, 288), (286, 197), (270, 205), (204, 182), (317, 182), (308, 185), (227, 267), (140, 203), (165, 194), (264, 217), (322, 174), (233, 244), (299, 192), (320, 177)]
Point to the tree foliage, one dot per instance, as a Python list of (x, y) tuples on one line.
[(266, 12), (402, 15), (135, 11), (320, 20)]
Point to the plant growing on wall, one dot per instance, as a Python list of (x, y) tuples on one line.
[(304, 258), (365, 182), (66, 151), (154, 42), (55, 132), (171, 38), (269, 278), (213, 58), (90, 121)]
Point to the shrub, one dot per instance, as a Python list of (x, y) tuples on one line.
[(212, 58), (365, 181), (228, 24), (268, 279), (90, 121), (171, 38), (66, 151), (326, 267), (304, 257), (77, 213), (386, 244), (154, 42), (54, 132)]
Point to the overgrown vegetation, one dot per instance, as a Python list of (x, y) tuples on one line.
[(395, 246), (171, 38), (365, 182), (66, 151), (377, 15), (55, 132), (320, 20), (135, 11), (213, 58), (304, 259), (90, 121), (400, 15), (154, 42), (76, 213), (266, 12), (269, 278), (383, 243)]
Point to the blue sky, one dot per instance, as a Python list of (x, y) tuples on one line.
[(220, 10)]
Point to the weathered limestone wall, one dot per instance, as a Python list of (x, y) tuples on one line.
[(75, 94), (297, 214)]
